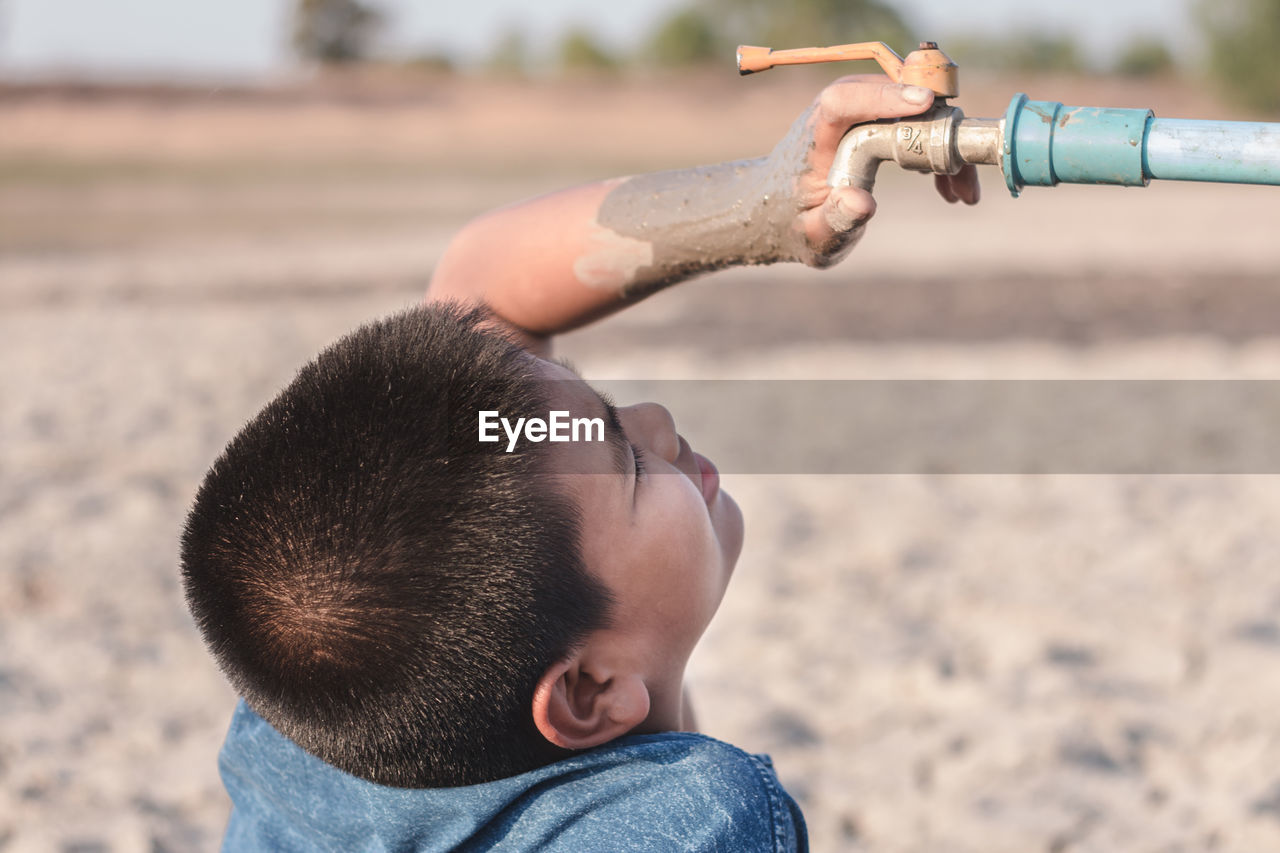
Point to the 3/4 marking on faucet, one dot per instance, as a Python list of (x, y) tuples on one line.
[(911, 136)]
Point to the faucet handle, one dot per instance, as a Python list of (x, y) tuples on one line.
[(927, 66)]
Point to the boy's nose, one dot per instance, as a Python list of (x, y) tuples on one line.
[(655, 424)]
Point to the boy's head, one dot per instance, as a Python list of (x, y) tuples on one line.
[(420, 608)]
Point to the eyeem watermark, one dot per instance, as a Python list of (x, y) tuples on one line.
[(557, 427)]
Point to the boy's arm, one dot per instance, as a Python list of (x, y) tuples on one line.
[(560, 261)]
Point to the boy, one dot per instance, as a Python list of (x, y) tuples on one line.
[(449, 637)]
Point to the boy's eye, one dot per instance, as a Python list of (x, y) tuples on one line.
[(639, 457)]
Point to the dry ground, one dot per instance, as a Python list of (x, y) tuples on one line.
[(937, 662)]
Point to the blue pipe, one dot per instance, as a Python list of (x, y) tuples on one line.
[(1046, 143)]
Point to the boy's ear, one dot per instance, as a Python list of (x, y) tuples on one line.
[(577, 707)]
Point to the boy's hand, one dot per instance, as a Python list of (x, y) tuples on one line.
[(829, 220)]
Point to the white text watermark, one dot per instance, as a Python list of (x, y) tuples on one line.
[(558, 426)]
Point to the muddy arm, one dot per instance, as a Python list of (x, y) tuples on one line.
[(563, 260)]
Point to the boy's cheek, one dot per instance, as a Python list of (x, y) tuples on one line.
[(730, 529)]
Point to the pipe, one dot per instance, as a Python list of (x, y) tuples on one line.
[(1044, 143), (1230, 152), (1047, 143)]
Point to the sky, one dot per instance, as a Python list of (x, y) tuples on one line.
[(249, 38)]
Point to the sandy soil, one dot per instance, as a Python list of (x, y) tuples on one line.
[(999, 663)]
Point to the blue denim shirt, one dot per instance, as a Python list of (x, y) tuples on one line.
[(673, 791)]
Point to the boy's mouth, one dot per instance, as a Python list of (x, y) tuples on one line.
[(710, 477)]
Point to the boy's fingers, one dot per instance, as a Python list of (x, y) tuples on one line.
[(962, 186), (943, 185), (966, 186), (853, 100)]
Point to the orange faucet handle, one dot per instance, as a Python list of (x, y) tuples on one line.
[(927, 66)]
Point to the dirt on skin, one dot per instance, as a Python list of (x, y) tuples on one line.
[(987, 663)]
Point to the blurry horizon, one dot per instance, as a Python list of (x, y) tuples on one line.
[(152, 39)]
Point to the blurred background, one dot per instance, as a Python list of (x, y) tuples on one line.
[(197, 197)]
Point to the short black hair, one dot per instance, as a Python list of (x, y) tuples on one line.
[(380, 586)]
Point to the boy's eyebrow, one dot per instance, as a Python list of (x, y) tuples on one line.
[(614, 433)]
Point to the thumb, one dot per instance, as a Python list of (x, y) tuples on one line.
[(832, 229), (848, 208)]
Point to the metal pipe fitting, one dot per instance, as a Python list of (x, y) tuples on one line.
[(939, 141), (980, 140), (924, 143)]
